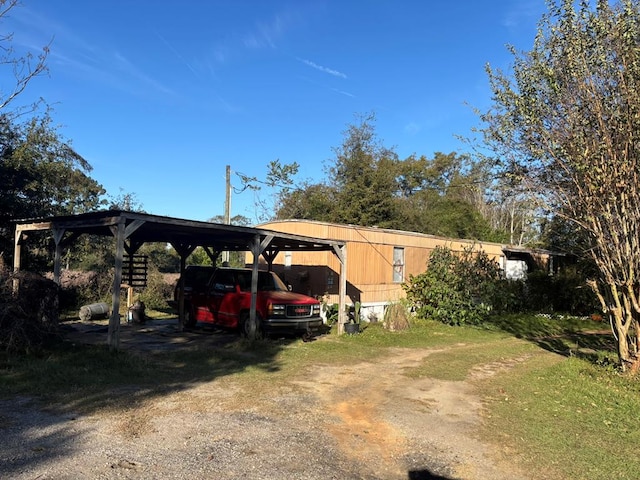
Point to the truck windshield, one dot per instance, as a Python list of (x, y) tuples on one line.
[(267, 281)]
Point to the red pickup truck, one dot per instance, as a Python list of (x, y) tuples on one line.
[(227, 300)]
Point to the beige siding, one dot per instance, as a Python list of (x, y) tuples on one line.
[(415, 261)]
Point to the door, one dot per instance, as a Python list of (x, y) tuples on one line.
[(221, 288)]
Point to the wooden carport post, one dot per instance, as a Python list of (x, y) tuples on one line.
[(121, 231), (341, 253), (184, 250), (58, 235), (17, 252), (114, 321), (257, 247)]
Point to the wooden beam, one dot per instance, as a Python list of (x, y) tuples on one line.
[(184, 249), (212, 254), (181, 319), (132, 247), (132, 227), (270, 256), (23, 227)]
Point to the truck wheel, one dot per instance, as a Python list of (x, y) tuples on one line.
[(189, 319), (245, 329)]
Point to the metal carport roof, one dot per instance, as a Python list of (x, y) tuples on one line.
[(132, 229)]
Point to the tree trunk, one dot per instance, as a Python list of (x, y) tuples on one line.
[(621, 313), (627, 351), (635, 366)]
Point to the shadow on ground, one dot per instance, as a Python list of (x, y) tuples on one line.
[(153, 336), (425, 475), (41, 394), (575, 337)]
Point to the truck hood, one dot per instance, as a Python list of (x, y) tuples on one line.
[(288, 298)]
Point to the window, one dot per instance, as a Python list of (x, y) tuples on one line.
[(398, 264), (330, 280), (223, 281)]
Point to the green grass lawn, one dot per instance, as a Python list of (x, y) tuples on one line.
[(558, 406)]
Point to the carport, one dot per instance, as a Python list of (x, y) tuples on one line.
[(131, 230)]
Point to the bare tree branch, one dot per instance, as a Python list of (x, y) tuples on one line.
[(24, 68)]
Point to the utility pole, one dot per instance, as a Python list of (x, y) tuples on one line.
[(227, 209), (227, 199)]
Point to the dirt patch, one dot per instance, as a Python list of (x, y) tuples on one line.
[(399, 424), (365, 421)]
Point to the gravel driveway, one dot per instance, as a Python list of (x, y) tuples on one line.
[(367, 421)]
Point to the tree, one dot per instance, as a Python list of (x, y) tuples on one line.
[(444, 195), (239, 220), (360, 185), (278, 181), (126, 201), (41, 176), (565, 125), (309, 202), (440, 174), (363, 174), (22, 69), (513, 212), (368, 185)]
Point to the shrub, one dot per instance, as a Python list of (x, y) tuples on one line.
[(510, 296), (157, 292), (84, 287), (331, 312), (565, 291), (455, 289), (28, 319)]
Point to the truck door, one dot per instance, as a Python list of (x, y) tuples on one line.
[(223, 291)]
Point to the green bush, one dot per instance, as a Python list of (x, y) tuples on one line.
[(566, 291), (510, 296), (331, 312), (157, 292), (456, 289)]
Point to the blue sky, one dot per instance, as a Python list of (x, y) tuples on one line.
[(160, 96)]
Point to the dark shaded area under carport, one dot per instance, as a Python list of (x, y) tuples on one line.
[(153, 336), (132, 229)]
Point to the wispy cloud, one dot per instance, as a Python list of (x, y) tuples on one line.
[(262, 35), (328, 70), (73, 54), (342, 92), (33, 26), (124, 65), (267, 34), (176, 53), (327, 87)]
